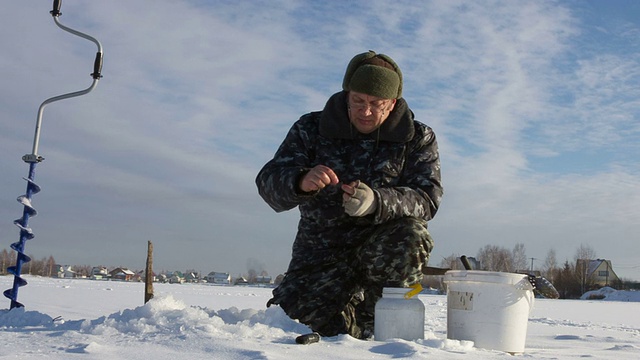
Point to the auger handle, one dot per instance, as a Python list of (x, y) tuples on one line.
[(97, 66), (56, 8), (465, 262)]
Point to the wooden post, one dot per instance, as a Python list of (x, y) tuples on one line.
[(148, 278)]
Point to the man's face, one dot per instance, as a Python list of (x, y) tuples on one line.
[(368, 112)]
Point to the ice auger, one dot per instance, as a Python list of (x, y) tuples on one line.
[(32, 159)]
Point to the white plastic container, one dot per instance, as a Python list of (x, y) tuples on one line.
[(397, 317), (489, 308)]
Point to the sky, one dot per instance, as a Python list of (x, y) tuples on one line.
[(535, 105)]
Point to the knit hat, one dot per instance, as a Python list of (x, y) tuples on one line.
[(373, 74)]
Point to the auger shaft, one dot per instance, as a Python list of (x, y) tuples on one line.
[(25, 234)]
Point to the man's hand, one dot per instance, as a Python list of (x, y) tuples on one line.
[(317, 178), (358, 199)]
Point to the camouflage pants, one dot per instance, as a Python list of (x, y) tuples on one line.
[(339, 297)]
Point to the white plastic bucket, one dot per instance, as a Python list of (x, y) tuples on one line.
[(489, 308)]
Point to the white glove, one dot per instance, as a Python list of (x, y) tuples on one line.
[(361, 202)]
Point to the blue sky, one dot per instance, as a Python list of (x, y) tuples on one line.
[(535, 104)]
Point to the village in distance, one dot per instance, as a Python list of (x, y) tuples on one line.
[(571, 279)]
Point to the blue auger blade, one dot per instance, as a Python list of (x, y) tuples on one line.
[(12, 270), (24, 258), (25, 234), (34, 187), (24, 200), (24, 231), (18, 281), (10, 295)]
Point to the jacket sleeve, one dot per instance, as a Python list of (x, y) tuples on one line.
[(278, 179), (420, 190)]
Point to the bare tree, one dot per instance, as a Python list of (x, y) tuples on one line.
[(4, 261), (495, 258), (255, 267), (51, 263), (36, 267), (252, 276), (83, 270), (550, 264), (584, 254), (519, 257), (451, 262)]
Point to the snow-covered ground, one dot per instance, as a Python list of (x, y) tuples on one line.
[(84, 319)]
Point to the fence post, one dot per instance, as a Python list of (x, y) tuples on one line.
[(148, 278)]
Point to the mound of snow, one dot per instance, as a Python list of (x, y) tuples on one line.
[(167, 316), (20, 318), (610, 294)]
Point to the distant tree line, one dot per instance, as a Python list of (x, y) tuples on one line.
[(43, 267), (570, 278), (47, 267)]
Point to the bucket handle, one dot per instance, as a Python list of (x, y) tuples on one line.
[(416, 290)]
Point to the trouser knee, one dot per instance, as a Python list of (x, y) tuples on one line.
[(396, 252)]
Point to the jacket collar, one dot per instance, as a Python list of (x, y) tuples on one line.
[(334, 122)]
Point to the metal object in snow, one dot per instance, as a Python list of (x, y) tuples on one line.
[(32, 159)]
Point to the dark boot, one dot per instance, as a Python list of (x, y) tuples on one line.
[(346, 322)]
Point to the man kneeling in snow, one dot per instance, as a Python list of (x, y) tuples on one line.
[(366, 178)]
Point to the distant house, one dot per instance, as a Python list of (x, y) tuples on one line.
[(218, 278), (175, 278), (264, 280), (140, 276), (599, 272), (65, 271), (192, 277), (99, 273), (121, 274), (241, 281)]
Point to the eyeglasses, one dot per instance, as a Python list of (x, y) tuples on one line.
[(375, 108)]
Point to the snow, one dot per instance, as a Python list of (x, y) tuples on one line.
[(87, 319)]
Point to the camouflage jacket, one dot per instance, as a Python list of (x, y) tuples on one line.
[(400, 162)]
